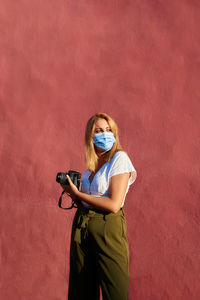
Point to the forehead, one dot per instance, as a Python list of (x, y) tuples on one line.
[(102, 123)]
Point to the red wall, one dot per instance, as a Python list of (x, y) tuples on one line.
[(62, 61)]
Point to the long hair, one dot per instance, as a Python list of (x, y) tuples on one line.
[(90, 153)]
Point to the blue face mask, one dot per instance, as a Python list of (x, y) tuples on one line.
[(104, 141)]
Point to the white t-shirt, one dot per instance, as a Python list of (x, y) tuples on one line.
[(99, 187)]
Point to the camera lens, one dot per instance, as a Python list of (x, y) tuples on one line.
[(62, 178), (58, 177)]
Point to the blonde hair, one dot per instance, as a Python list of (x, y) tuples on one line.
[(90, 153)]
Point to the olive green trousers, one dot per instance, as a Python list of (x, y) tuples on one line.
[(99, 256)]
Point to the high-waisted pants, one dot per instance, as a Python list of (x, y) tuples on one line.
[(99, 256)]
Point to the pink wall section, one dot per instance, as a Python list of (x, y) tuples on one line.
[(62, 61)]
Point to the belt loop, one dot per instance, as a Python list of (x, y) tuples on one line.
[(81, 230), (122, 209)]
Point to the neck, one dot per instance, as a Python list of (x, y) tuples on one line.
[(100, 153), (101, 157)]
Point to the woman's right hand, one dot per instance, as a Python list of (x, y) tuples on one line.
[(69, 189)]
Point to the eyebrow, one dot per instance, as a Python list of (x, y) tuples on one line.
[(102, 128)]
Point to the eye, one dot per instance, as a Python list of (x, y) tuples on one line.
[(98, 130), (109, 130)]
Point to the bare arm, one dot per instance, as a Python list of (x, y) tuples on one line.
[(117, 188)]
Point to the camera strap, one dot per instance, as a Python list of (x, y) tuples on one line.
[(60, 202)]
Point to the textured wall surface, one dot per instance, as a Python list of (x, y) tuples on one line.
[(62, 61)]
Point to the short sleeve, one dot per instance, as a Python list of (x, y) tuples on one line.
[(121, 163)]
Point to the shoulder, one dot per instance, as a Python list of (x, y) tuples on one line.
[(120, 155), (121, 163)]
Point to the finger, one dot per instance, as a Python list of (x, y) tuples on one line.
[(69, 179)]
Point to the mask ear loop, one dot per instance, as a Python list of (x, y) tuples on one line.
[(60, 202)]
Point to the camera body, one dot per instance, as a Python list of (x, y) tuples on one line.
[(74, 176)]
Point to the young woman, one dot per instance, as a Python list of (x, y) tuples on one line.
[(99, 254)]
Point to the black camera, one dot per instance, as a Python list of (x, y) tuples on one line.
[(62, 179), (74, 176)]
